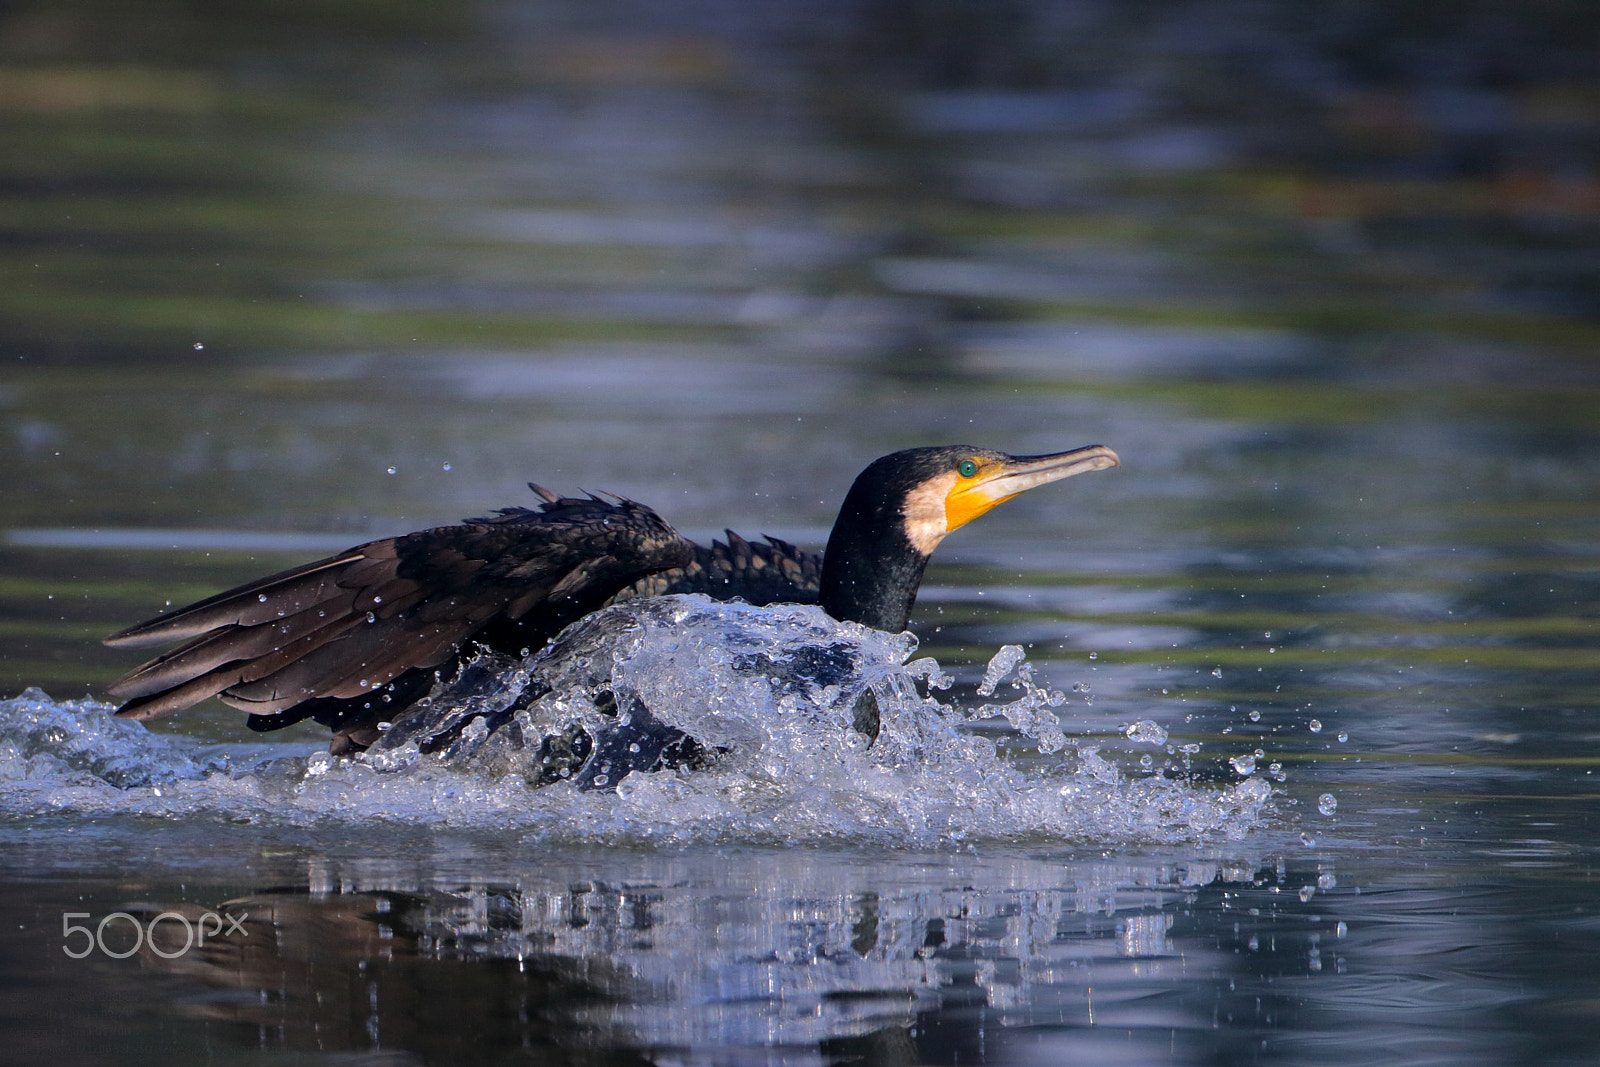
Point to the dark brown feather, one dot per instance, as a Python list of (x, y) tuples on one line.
[(249, 605), (758, 573), (324, 639)]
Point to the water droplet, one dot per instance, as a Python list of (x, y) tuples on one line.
[(1094, 655), (1315, 726), (1307, 892), (1341, 929), (1216, 672), (1326, 881), (198, 347), (371, 617), (634, 748), (1080, 687), (377, 600), (1343, 737), (1327, 804), (262, 597), (447, 466), (1307, 840), (393, 470), (1243, 765), (602, 779), (1267, 636), (1255, 716), (1001, 664), (1147, 732)]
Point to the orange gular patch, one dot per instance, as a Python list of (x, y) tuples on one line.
[(972, 496)]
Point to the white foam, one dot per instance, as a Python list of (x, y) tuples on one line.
[(774, 691)]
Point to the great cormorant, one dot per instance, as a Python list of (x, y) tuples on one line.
[(323, 640)]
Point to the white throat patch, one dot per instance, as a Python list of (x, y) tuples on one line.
[(923, 513)]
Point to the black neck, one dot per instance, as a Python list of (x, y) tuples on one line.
[(870, 571)]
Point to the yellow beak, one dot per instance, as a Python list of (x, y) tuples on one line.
[(997, 481)]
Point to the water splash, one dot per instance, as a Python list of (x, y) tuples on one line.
[(805, 730), (76, 743)]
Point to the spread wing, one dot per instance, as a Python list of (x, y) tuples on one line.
[(336, 629)]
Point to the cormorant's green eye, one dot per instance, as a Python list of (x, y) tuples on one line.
[(967, 468)]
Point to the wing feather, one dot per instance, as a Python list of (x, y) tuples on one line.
[(382, 609), (248, 605), (772, 572)]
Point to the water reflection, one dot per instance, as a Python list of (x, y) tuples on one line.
[(833, 958), (452, 952)]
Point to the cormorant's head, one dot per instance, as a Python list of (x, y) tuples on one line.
[(901, 507), (941, 489)]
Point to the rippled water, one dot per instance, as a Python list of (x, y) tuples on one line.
[(1326, 284)]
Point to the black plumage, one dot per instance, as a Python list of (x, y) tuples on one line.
[(354, 638)]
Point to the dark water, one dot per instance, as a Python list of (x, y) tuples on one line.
[(1326, 279)]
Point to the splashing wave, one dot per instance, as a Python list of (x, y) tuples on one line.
[(807, 731)]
